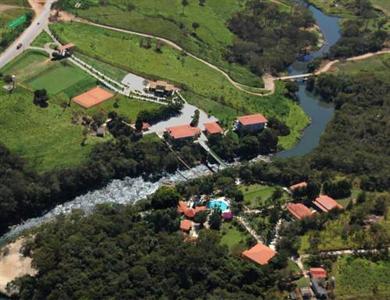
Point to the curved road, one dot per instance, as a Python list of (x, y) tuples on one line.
[(28, 36)]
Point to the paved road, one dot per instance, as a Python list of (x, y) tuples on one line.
[(28, 36)]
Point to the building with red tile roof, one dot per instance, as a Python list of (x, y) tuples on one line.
[(213, 128), (260, 254), (318, 273), (298, 185), (183, 132), (251, 123), (185, 225), (187, 211), (326, 203), (299, 210)]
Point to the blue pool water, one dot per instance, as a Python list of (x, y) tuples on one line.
[(218, 204)]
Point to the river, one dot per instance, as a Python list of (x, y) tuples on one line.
[(129, 190), (319, 112)]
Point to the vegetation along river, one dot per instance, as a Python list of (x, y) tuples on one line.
[(129, 190)]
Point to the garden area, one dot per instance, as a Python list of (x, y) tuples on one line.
[(258, 195), (235, 237)]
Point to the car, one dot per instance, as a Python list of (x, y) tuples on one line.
[(19, 46)]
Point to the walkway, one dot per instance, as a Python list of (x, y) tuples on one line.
[(250, 230), (202, 141)]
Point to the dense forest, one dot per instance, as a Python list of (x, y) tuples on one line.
[(116, 253), (357, 140), (268, 39)]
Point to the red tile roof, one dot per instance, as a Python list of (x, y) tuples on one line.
[(299, 211), (66, 47), (252, 119), (183, 131), (326, 203), (318, 273), (185, 225), (299, 185), (187, 211), (260, 254), (200, 208), (213, 128)]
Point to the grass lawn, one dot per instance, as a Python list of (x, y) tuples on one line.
[(359, 278), (169, 19), (8, 15), (233, 238), (201, 85), (374, 66), (46, 137), (16, 2), (42, 39), (257, 195), (302, 282), (383, 5)]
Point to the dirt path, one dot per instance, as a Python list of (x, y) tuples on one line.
[(13, 264), (37, 6)]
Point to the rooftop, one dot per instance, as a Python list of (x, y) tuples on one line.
[(160, 84), (213, 128), (252, 119), (183, 131), (326, 203), (299, 185), (318, 273), (93, 97), (186, 225), (299, 210), (66, 46), (260, 254)]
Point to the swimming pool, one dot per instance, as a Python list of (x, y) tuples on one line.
[(218, 204)]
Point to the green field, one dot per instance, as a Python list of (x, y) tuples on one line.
[(169, 19), (383, 5), (257, 195), (46, 137), (359, 278), (8, 15), (42, 39), (377, 66), (234, 238), (201, 85)]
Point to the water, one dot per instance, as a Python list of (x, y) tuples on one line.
[(319, 112), (218, 204)]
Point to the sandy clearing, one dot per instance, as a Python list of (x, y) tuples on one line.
[(13, 264), (5, 7)]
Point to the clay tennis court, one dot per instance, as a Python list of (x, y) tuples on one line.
[(93, 97)]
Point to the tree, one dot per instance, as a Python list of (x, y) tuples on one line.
[(139, 124), (41, 98), (195, 118), (184, 3), (195, 25), (165, 197), (201, 217), (215, 220), (268, 141), (202, 2)]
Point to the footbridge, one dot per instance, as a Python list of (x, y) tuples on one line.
[(297, 77)]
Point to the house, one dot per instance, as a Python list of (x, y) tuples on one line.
[(326, 203), (212, 128), (251, 123), (185, 225), (66, 50), (183, 132), (161, 88), (260, 254), (299, 185), (318, 273), (299, 210), (145, 126), (188, 211)]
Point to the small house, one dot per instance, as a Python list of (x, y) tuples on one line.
[(66, 50), (161, 88), (299, 210), (318, 273), (326, 203), (183, 132), (260, 254), (212, 128), (251, 123), (299, 185), (185, 226)]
